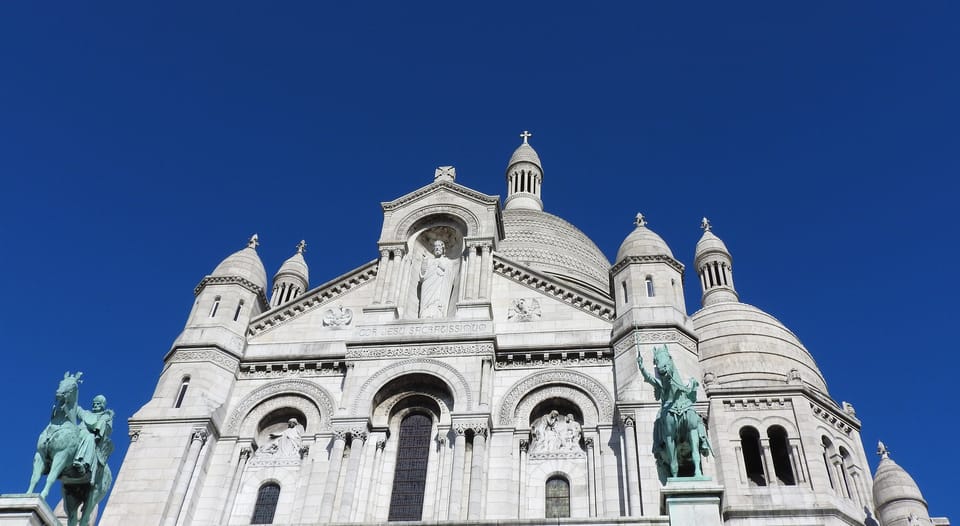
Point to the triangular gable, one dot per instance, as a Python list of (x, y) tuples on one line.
[(576, 297)]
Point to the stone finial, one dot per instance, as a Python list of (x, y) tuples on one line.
[(882, 450), (705, 224), (640, 220), (525, 135), (445, 173), (254, 242), (301, 246)]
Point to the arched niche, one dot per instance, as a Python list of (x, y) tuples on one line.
[(599, 398), (412, 391), (450, 381), (431, 286), (313, 401)]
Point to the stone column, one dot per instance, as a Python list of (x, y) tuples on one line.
[(633, 479), (357, 440), (478, 471), (381, 276), (441, 457), (333, 475), (197, 439), (591, 477), (456, 478), (395, 266), (522, 489), (485, 363), (471, 272), (245, 453), (486, 268), (768, 463)]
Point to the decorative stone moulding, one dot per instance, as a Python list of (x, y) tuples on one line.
[(311, 300), (676, 265), (233, 280), (600, 396), (630, 341), (594, 306), (831, 418), (554, 359), (759, 403), (214, 356), (393, 351), (291, 369)]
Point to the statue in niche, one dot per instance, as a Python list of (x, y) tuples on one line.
[(553, 433), (679, 430), (287, 443), (435, 282)]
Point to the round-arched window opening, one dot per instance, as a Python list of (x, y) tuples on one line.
[(557, 497)]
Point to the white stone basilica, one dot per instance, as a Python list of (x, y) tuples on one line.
[(483, 369)]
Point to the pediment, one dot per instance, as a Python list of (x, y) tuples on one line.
[(579, 298), (477, 215)]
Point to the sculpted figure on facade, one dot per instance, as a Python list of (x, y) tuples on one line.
[(435, 281), (554, 433), (288, 443), (678, 431)]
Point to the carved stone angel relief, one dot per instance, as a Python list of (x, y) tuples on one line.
[(337, 317), (554, 435), (524, 309)]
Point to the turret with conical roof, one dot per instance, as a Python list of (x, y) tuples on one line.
[(715, 268), (895, 494), (524, 177), (292, 279)]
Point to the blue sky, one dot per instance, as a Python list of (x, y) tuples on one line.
[(141, 143)]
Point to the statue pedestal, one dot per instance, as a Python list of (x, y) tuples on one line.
[(380, 313), (474, 310), (25, 509), (692, 500)]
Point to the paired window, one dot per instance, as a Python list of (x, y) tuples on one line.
[(557, 497), (266, 506), (753, 462), (410, 477)]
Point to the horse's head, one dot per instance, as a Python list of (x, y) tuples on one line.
[(663, 362), (68, 388)]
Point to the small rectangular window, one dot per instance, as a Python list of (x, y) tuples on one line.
[(626, 299)]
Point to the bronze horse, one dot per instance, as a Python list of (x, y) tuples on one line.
[(56, 450)]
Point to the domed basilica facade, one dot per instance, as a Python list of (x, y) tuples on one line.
[(484, 369)]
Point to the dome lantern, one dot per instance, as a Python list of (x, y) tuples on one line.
[(524, 177), (714, 267), (292, 279)]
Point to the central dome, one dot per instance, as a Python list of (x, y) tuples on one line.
[(553, 246)]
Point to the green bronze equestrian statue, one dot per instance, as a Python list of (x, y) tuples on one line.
[(679, 430), (75, 454)]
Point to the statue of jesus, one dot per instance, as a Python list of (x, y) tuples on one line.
[(434, 282)]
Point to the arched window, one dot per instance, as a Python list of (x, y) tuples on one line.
[(649, 283), (752, 455), (182, 392), (236, 314), (845, 466), (827, 453), (410, 477), (557, 497), (216, 306), (780, 451), (266, 506)]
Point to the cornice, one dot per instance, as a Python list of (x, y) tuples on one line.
[(233, 280), (399, 202), (312, 299), (660, 258), (580, 299)]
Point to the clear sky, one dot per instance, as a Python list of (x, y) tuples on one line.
[(141, 143)]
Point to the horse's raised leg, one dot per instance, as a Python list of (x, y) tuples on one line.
[(37, 471)]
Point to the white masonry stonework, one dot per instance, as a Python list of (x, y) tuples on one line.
[(538, 321)]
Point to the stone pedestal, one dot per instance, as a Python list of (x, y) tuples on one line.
[(692, 501), (25, 509)]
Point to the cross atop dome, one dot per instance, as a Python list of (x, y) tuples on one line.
[(254, 242), (882, 450), (705, 225), (526, 135), (640, 220), (302, 246)]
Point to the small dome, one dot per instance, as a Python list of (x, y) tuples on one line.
[(746, 347), (525, 152), (710, 243), (244, 264), (643, 242), (891, 482), (296, 266), (553, 246)]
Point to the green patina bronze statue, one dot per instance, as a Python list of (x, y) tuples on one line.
[(679, 432), (75, 453)]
